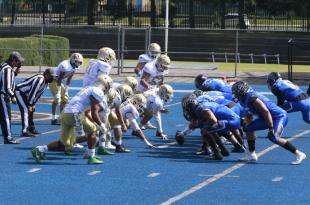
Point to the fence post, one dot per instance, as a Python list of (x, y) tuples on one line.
[(41, 49), (236, 52), (146, 42), (278, 58), (265, 58), (119, 49), (226, 60), (251, 56), (213, 59)]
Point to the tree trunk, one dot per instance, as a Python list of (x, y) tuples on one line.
[(241, 15), (90, 12), (13, 11), (153, 14), (191, 14), (130, 13), (223, 12)]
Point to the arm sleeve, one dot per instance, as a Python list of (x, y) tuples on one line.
[(8, 82), (157, 116), (280, 96)]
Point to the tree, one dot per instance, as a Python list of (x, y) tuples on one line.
[(90, 12), (117, 9), (241, 14), (191, 14)]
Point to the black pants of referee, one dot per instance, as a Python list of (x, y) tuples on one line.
[(5, 116), (26, 115)]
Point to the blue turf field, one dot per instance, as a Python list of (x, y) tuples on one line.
[(154, 176)]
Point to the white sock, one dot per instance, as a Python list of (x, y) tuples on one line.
[(91, 152), (54, 117), (43, 148), (118, 142), (101, 143)]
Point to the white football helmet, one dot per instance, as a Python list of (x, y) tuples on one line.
[(154, 50), (165, 92), (125, 91), (163, 63), (139, 101), (76, 60), (104, 82), (110, 96), (132, 82), (107, 55)]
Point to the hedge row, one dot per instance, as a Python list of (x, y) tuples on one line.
[(30, 49)]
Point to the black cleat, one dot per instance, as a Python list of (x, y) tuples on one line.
[(121, 149)]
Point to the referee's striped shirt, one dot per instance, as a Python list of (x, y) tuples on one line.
[(7, 80), (32, 87)]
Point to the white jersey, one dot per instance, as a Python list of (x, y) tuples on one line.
[(81, 101), (116, 85), (66, 68), (94, 69), (129, 111), (154, 103), (144, 59), (154, 78), (117, 101)]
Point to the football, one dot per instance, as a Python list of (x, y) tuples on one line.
[(179, 137)]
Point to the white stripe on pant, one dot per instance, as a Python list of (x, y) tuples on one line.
[(4, 118), (23, 110)]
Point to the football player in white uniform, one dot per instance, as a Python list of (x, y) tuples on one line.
[(102, 65), (74, 123), (155, 106), (153, 52), (65, 70), (153, 73), (131, 110)]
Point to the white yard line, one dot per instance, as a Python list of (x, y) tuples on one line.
[(93, 173), (155, 174), (34, 170), (224, 173)]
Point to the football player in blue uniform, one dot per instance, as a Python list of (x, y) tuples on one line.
[(290, 97), (205, 84), (212, 118), (268, 116)]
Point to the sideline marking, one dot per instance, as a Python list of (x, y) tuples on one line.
[(155, 174), (212, 175), (94, 173), (34, 170), (224, 173), (44, 133), (277, 179)]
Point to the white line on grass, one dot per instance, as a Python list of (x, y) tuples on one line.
[(224, 173), (94, 173), (155, 174), (277, 179), (33, 170), (212, 175)]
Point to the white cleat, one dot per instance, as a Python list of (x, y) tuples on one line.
[(78, 146), (300, 156), (250, 157), (108, 145)]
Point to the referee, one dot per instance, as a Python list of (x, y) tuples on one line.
[(8, 71), (27, 94)]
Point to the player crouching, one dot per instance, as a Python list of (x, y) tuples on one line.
[(155, 106), (75, 124)]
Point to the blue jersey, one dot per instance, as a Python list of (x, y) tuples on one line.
[(251, 96), (215, 96), (217, 85), (221, 112), (286, 90)]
